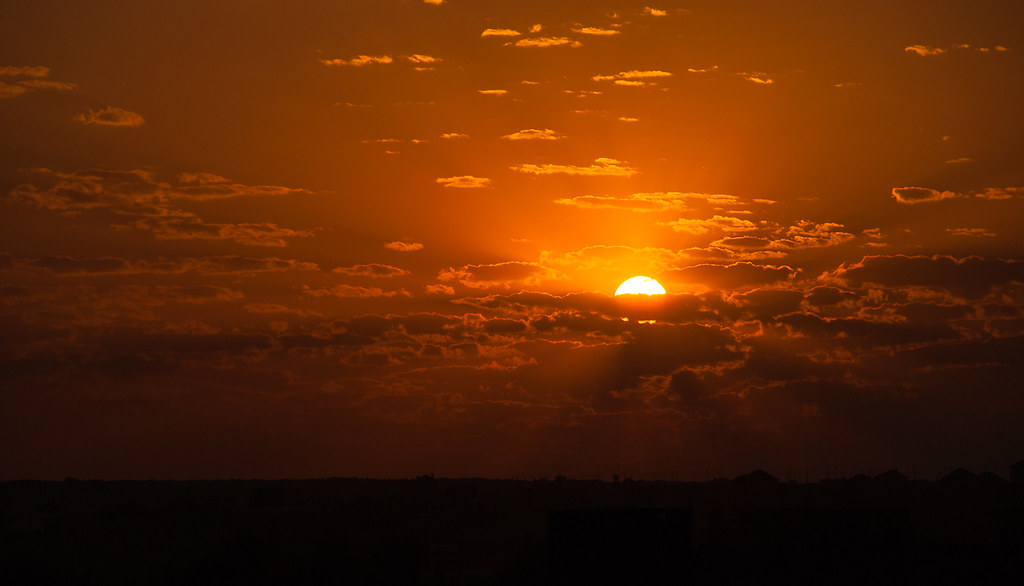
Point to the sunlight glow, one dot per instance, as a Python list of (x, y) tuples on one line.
[(640, 286)]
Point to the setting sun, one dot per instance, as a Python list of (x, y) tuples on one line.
[(640, 286)]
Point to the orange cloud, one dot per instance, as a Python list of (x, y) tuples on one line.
[(654, 11), (534, 134), (492, 92), (464, 182), (500, 32), (358, 61), (372, 270), (111, 116), (757, 77), (649, 202), (915, 195), (595, 31), (548, 42), (727, 224), (923, 50), (401, 246), (24, 71), (503, 274), (602, 167)]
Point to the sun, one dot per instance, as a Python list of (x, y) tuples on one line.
[(640, 286)]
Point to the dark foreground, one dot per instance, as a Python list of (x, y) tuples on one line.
[(962, 530)]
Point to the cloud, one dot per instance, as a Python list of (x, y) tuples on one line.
[(454, 135), (628, 119), (350, 291), (401, 246), (464, 182), (503, 274), (974, 232), (595, 31), (434, 2), (959, 160), (757, 77), (654, 11), (547, 42), (915, 195), (358, 61), (111, 116), (500, 32), (1001, 193), (439, 289), (724, 223), (731, 276), (923, 50), (47, 84), (72, 266), (972, 276), (702, 70), (422, 60), (602, 167), (134, 193), (34, 74), (634, 77), (24, 71), (371, 270), (10, 91), (190, 227), (492, 92), (534, 134), (649, 202)]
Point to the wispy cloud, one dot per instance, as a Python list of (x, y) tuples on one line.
[(500, 32), (34, 73), (373, 270), (924, 50), (111, 116), (929, 51), (547, 42), (401, 246), (649, 202), (603, 166), (358, 61), (915, 195), (723, 223), (504, 274), (654, 11), (534, 134), (453, 135), (464, 182), (757, 77), (434, 2), (492, 92), (634, 78), (24, 71), (972, 232), (595, 31), (702, 69)]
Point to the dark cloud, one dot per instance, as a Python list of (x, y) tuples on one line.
[(972, 276), (504, 274), (913, 195), (371, 270), (736, 275)]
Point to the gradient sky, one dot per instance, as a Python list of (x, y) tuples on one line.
[(380, 238)]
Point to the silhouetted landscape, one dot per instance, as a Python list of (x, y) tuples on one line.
[(964, 528)]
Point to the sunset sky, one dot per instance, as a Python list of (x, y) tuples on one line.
[(259, 238)]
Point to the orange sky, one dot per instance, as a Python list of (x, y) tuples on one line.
[(380, 238)]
